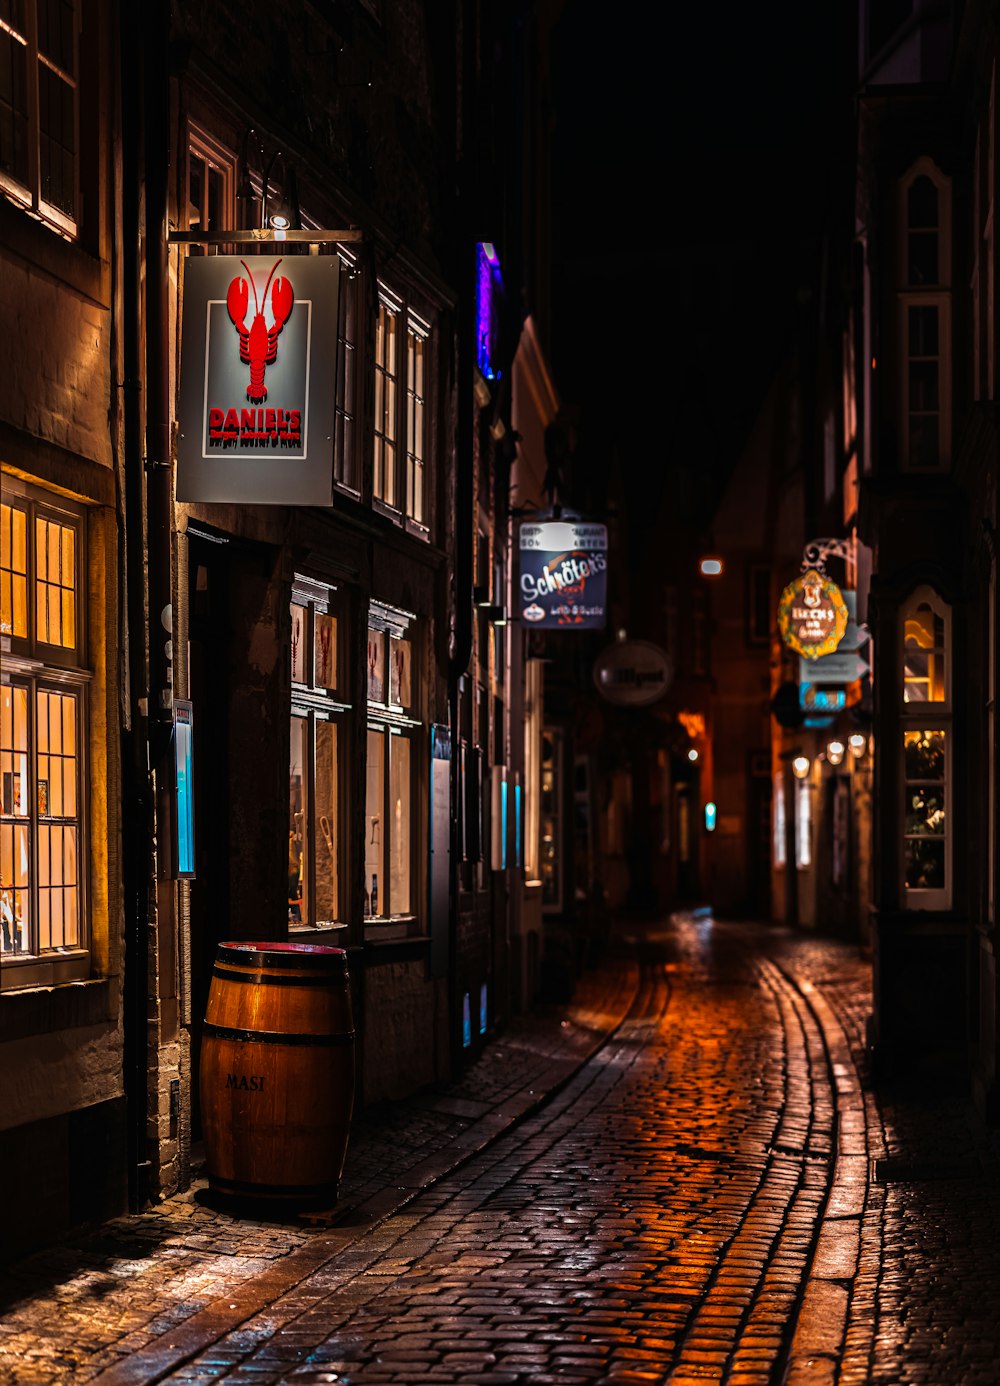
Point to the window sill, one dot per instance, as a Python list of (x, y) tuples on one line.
[(30, 238), (22, 974), (72, 1005), (313, 933), (392, 928)]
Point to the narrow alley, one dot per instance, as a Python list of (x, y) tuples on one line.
[(681, 1176)]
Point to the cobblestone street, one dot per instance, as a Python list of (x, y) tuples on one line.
[(683, 1176)]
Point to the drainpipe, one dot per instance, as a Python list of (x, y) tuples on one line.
[(465, 261), (137, 822), (159, 488)]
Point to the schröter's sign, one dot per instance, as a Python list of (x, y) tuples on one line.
[(258, 379), (563, 575), (812, 615)]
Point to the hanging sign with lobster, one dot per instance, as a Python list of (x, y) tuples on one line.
[(258, 379)]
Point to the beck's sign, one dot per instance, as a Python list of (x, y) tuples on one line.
[(812, 615), (258, 379), (563, 575)]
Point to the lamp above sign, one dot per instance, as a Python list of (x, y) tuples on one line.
[(633, 673), (812, 615), (563, 575)]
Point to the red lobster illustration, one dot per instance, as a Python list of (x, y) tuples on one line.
[(259, 343)]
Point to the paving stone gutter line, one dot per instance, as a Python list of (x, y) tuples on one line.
[(826, 1329), (575, 1033)]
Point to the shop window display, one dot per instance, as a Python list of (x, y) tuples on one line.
[(926, 751), (317, 786), (391, 767)]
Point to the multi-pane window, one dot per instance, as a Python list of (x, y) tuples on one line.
[(42, 716), (386, 386), (803, 824), (925, 324), (210, 184), (39, 107), (402, 379), (389, 887), (416, 346), (779, 845), (346, 456), (317, 783), (926, 751)]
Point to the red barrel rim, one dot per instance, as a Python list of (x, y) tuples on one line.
[(267, 954)]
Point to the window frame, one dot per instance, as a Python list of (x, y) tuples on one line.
[(314, 704), (217, 158), (409, 324), (391, 720), (927, 716), (28, 196), (932, 295), (44, 668), (347, 459)]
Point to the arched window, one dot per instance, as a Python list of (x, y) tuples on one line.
[(925, 633), (925, 318)]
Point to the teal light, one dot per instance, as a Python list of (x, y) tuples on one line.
[(710, 812)]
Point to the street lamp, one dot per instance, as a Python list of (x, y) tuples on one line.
[(711, 567), (692, 755), (857, 743), (801, 766), (835, 752)]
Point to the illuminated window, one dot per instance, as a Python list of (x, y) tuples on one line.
[(416, 343), (389, 891), (402, 361), (551, 819), (317, 787), (533, 706), (780, 845), (803, 824), (42, 719), (926, 751), (386, 422), (39, 108), (925, 823), (925, 318), (13, 570), (924, 652)]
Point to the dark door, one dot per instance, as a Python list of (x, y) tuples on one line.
[(759, 836), (210, 645)]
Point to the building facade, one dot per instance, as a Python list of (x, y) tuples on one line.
[(340, 664)]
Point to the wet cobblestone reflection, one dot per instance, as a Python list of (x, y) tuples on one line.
[(693, 1205)]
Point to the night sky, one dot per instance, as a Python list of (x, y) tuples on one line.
[(694, 166)]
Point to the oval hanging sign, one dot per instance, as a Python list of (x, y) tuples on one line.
[(812, 615), (632, 673)]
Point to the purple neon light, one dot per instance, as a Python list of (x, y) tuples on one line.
[(489, 286)]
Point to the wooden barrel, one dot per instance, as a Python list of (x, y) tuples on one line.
[(277, 1071)]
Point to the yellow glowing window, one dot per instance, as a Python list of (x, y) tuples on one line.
[(13, 571), (55, 790), (15, 892), (924, 653), (55, 583)]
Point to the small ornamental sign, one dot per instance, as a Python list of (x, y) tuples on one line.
[(812, 615), (258, 379)]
